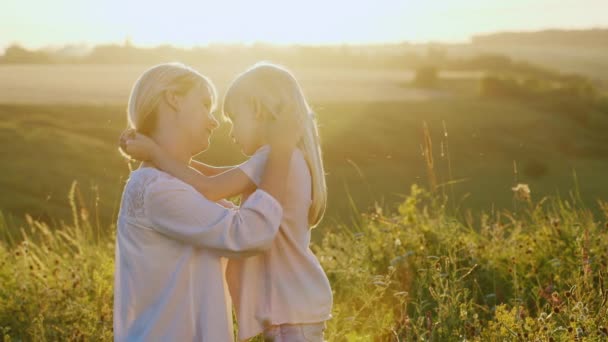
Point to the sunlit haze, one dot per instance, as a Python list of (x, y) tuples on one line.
[(191, 23)]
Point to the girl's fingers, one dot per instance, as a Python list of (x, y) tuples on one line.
[(125, 136)]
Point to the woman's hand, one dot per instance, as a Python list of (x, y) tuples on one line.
[(138, 146), (284, 132)]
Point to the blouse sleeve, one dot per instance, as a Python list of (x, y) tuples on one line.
[(254, 167), (176, 210)]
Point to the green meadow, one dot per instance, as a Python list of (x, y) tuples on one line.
[(424, 237)]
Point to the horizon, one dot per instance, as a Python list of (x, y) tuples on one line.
[(128, 40)]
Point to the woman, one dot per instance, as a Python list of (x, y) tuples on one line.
[(170, 243)]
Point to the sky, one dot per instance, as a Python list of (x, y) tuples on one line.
[(183, 23)]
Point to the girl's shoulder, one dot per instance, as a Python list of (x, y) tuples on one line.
[(298, 162), (255, 165), (300, 177)]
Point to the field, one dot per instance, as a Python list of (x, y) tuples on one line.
[(110, 84), (468, 260)]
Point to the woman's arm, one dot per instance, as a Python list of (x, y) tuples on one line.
[(180, 213)]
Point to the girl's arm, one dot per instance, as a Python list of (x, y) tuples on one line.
[(224, 185), (209, 170)]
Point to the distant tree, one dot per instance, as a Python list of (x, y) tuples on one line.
[(499, 87), (436, 54), (426, 77), (592, 38), (17, 54)]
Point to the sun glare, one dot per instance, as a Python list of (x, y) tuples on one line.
[(187, 23)]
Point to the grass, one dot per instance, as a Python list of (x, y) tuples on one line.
[(372, 153), (536, 273), (413, 274), (466, 260)]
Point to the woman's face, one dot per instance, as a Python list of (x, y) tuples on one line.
[(196, 120), (246, 127)]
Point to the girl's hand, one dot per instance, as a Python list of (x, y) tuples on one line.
[(141, 147), (124, 136), (226, 204)]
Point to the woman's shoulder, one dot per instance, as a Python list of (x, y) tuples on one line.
[(134, 191), (145, 182), (146, 178), (147, 175)]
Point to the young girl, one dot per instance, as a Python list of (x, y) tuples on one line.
[(282, 292)]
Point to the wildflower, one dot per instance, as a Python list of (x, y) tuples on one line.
[(380, 283), (522, 192), (580, 332)]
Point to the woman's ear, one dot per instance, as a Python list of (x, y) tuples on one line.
[(172, 100)]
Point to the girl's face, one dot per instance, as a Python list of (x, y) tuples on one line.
[(196, 120), (246, 127)]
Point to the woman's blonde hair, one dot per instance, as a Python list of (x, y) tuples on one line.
[(151, 86), (277, 92)]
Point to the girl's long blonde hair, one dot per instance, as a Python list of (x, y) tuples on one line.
[(277, 91), (150, 87)]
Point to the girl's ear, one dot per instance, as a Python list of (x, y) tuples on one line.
[(172, 100)]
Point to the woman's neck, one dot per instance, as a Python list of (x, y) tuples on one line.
[(173, 144)]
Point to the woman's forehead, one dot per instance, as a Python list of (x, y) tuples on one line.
[(203, 93)]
